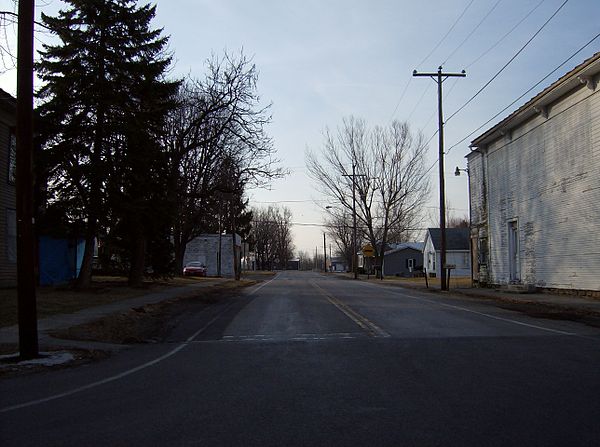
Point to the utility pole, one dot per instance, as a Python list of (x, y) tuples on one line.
[(324, 255), (27, 312), (440, 77), (354, 175)]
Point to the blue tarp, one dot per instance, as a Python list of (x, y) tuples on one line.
[(59, 259)]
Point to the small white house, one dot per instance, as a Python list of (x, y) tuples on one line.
[(210, 248), (457, 252), (534, 181)]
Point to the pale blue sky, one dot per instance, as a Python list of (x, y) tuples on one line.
[(322, 60)]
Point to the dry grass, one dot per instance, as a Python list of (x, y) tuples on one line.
[(104, 290), (433, 282)]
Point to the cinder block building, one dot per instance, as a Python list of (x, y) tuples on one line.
[(212, 250), (534, 183)]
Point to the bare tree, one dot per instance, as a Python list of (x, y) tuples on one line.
[(457, 222), (339, 230), (219, 118), (390, 183), (272, 235), (454, 219)]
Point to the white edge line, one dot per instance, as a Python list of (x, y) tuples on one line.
[(253, 291), (127, 372), (483, 314)]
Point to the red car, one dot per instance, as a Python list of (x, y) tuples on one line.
[(194, 269)]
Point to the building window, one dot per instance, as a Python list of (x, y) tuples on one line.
[(12, 157), (11, 235)]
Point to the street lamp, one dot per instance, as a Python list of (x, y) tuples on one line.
[(458, 170)]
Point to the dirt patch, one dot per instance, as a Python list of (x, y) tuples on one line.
[(145, 324), (104, 290), (550, 312), (149, 323)]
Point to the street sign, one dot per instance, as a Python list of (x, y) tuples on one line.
[(368, 251)]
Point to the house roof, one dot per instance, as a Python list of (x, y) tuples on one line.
[(399, 247), (456, 238), (576, 78), (8, 102)]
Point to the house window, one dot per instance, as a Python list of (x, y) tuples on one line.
[(11, 235), (12, 157)]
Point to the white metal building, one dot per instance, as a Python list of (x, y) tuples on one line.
[(534, 182)]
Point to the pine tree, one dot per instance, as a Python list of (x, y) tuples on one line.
[(104, 99)]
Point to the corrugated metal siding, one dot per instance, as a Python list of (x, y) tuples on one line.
[(546, 176)]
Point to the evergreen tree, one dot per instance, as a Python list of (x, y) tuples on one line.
[(104, 100)]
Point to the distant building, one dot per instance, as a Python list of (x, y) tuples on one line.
[(293, 264), (338, 264), (404, 259), (457, 251), (534, 182), (8, 213), (210, 248)]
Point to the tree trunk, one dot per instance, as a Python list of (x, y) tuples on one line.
[(179, 249), (180, 240), (138, 255), (380, 264), (84, 279)]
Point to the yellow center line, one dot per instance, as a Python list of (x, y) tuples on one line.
[(363, 322)]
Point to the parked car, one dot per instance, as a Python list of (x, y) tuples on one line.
[(194, 268)]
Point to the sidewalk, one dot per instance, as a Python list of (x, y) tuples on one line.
[(10, 334)]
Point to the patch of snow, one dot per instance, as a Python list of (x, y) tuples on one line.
[(46, 359)]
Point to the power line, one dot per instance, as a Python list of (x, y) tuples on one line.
[(401, 98), (418, 102), (483, 54), (289, 201), (472, 32), (509, 32), (447, 33), (526, 92), (424, 60), (508, 63)]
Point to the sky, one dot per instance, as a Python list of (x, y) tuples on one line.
[(323, 60)]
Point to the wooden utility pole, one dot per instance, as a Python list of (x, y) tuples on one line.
[(27, 312), (354, 259), (440, 77), (324, 255)]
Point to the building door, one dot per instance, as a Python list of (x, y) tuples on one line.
[(513, 251)]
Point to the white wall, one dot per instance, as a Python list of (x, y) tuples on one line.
[(205, 249), (546, 176)]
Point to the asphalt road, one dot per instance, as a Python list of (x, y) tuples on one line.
[(311, 360)]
